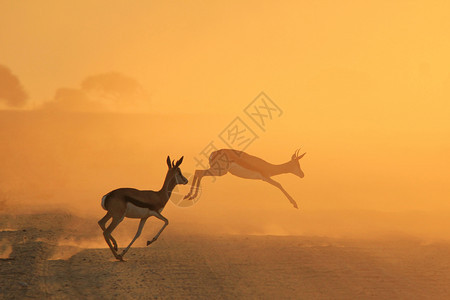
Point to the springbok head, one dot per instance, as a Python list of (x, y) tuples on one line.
[(174, 170), (296, 164)]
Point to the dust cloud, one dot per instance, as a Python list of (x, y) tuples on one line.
[(69, 160)]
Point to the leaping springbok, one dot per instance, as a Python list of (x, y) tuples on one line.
[(133, 203), (247, 166)]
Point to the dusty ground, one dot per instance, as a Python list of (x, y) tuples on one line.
[(58, 256)]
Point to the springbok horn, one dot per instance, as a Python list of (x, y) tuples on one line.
[(179, 162), (301, 155)]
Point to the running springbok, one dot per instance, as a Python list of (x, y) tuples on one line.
[(246, 166), (136, 204)]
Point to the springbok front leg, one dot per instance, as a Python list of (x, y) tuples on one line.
[(138, 233), (166, 222), (107, 235), (278, 185), (102, 224)]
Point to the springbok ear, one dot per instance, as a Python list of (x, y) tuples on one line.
[(301, 156), (179, 162), (173, 163), (168, 161)]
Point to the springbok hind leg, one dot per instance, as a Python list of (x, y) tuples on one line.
[(107, 235), (195, 184), (278, 185), (194, 181), (102, 224), (199, 174)]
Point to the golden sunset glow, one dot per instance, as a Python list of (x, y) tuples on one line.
[(94, 95), (364, 87)]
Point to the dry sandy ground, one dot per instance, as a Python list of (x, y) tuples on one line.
[(39, 258)]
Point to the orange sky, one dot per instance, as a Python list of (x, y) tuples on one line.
[(364, 85), (188, 54)]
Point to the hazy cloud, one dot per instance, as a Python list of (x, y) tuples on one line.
[(11, 90)]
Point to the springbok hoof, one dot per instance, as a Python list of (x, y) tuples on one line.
[(119, 258)]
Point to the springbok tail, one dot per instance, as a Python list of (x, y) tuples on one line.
[(104, 198)]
